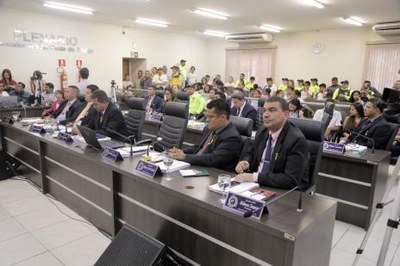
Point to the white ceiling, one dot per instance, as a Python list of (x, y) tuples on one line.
[(244, 15)]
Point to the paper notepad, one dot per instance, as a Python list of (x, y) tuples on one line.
[(236, 187), (176, 165), (194, 172)]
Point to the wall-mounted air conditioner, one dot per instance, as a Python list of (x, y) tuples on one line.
[(391, 28), (250, 38)]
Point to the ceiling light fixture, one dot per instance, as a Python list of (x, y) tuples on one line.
[(152, 22), (353, 21), (69, 8), (215, 33), (314, 3), (210, 13), (270, 28)]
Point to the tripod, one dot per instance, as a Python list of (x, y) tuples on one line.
[(393, 220)]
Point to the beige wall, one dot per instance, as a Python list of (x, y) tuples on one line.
[(343, 55), (107, 41)]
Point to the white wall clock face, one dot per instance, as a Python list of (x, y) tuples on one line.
[(317, 48)]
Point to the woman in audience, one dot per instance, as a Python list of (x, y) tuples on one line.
[(59, 96), (295, 108), (230, 82), (169, 96), (138, 83), (6, 80), (37, 83), (353, 119), (355, 97)]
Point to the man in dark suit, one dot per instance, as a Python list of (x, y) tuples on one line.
[(220, 144), (375, 127), (70, 108), (107, 118), (279, 156), (152, 102), (243, 109)]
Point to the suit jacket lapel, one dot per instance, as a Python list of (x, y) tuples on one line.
[(278, 145), (261, 147)]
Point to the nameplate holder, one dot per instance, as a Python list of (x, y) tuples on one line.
[(8, 120), (65, 137), (333, 147), (37, 129), (157, 116), (112, 155), (241, 204), (149, 169)]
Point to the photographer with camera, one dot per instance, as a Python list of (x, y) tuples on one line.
[(37, 86)]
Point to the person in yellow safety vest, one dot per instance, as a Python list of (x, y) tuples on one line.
[(300, 85), (283, 85), (176, 78), (183, 71), (343, 94), (196, 102), (314, 87), (241, 79), (251, 83)]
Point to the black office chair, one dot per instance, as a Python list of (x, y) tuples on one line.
[(314, 133), (136, 103), (135, 122), (328, 114), (81, 97), (173, 126), (261, 101), (182, 97), (160, 94), (244, 126), (260, 112)]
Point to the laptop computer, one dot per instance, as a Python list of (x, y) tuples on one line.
[(8, 101), (89, 135)]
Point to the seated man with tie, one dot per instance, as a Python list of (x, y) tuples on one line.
[(88, 112), (375, 127), (243, 109), (220, 144), (279, 156), (108, 117), (152, 102), (69, 109)]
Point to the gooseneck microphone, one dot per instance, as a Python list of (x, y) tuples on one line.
[(358, 134), (274, 199)]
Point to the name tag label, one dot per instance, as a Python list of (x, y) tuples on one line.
[(333, 147), (112, 155), (147, 168), (8, 120), (64, 137), (241, 204), (37, 129)]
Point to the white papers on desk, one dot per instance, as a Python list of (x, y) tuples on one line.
[(176, 165), (196, 124), (353, 149), (235, 187), (126, 151), (31, 121)]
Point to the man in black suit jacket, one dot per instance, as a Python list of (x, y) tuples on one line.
[(70, 108), (152, 102), (108, 116), (220, 144), (375, 127), (243, 109), (287, 164)]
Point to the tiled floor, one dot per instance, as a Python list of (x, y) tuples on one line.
[(34, 232)]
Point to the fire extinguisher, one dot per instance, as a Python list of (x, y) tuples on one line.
[(64, 80)]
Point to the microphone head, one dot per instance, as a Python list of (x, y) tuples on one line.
[(247, 214), (159, 139)]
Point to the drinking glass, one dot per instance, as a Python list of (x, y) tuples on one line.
[(16, 115), (224, 183), (167, 160)]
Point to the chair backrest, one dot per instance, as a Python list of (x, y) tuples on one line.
[(160, 94), (173, 126), (182, 96), (261, 101), (136, 103), (328, 114), (259, 121), (177, 109), (243, 125), (395, 129), (81, 97), (314, 134), (134, 120)]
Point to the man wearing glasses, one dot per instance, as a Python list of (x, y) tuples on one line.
[(220, 144)]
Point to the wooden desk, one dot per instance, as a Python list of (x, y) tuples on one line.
[(356, 183), (181, 213)]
